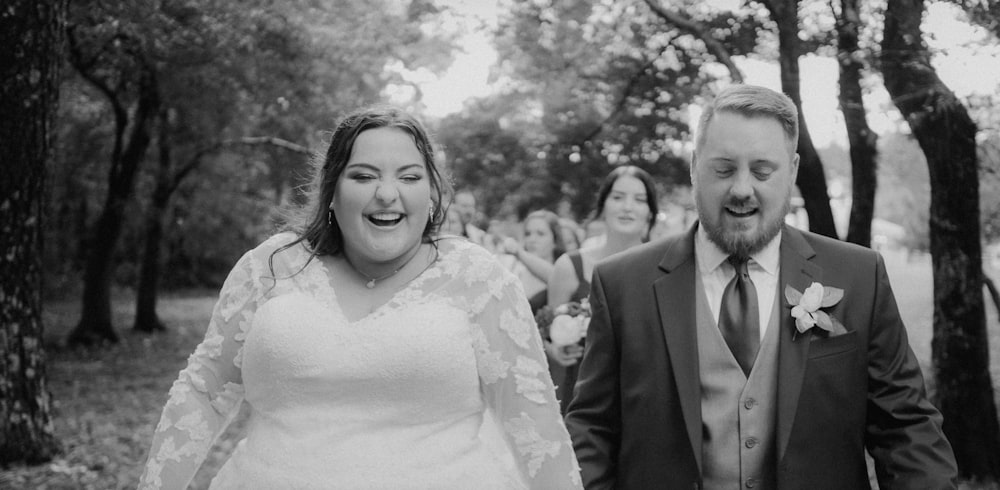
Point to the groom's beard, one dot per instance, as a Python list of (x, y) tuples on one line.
[(737, 243)]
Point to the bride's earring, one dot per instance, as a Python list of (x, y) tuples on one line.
[(329, 217)]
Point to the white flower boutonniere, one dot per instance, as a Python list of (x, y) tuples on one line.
[(806, 308)]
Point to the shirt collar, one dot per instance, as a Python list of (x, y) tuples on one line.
[(710, 256)]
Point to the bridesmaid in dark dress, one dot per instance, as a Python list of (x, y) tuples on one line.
[(532, 259), (627, 203)]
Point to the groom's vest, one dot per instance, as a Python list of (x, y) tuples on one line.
[(737, 414)]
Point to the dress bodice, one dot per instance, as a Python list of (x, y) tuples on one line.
[(393, 400)]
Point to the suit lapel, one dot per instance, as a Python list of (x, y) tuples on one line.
[(798, 272), (675, 296)]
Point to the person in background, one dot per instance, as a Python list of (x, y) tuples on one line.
[(593, 233), (626, 204), (745, 353), (453, 224), (465, 204), (369, 349), (572, 235), (532, 261)]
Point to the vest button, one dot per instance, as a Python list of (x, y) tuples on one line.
[(751, 442), (749, 403), (750, 483)]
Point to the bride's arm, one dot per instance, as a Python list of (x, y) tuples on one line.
[(515, 379), (208, 392)]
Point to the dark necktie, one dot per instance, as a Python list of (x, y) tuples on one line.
[(738, 318)]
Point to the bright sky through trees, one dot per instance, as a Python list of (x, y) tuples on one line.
[(967, 67)]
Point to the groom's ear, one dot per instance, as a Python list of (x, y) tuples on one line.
[(794, 167)]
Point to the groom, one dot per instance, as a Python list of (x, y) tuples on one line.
[(698, 371)]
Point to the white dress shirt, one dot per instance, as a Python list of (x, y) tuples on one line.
[(716, 272)]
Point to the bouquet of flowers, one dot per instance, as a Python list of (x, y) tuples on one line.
[(565, 324)]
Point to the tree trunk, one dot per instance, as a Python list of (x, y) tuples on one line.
[(862, 139), (811, 180), (947, 135), (95, 324), (167, 182), (992, 290), (146, 319), (32, 35)]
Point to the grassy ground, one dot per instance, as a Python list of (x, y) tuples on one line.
[(107, 401), (910, 275)]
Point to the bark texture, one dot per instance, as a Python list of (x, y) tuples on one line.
[(811, 180), (132, 139), (947, 136), (863, 141), (32, 34)]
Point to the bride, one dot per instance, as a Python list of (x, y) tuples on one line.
[(368, 349)]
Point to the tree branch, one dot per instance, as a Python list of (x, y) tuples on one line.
[(83, 68), (698, 30), (632, 82), (195, 160)]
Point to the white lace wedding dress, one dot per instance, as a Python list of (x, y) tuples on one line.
[(394, 400)]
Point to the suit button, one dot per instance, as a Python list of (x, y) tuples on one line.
[(750, 483), (749, 403), (750, 443)]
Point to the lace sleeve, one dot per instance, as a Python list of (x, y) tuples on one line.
[(208, 392), (515, 378)]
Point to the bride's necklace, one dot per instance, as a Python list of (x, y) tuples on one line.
[(372, 280)]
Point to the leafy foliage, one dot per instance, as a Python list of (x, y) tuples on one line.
[(489, 147), (985, 13), (609, 84), (224, 70)]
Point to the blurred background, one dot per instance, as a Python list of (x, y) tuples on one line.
[(184, 129)]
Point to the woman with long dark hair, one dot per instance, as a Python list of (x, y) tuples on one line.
[(370, 349), (626, 203)]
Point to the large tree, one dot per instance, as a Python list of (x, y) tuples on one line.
[(111, 51), (183, 75), (239, 74), (32, 35), (947, 136), (168, 179), (863, 141), (811, 179)]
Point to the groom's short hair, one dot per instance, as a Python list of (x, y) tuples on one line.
[(752, 101)]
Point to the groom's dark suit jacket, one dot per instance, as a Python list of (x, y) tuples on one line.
[(636, 416)]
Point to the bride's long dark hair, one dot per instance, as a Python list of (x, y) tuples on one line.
[(313, 223)]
